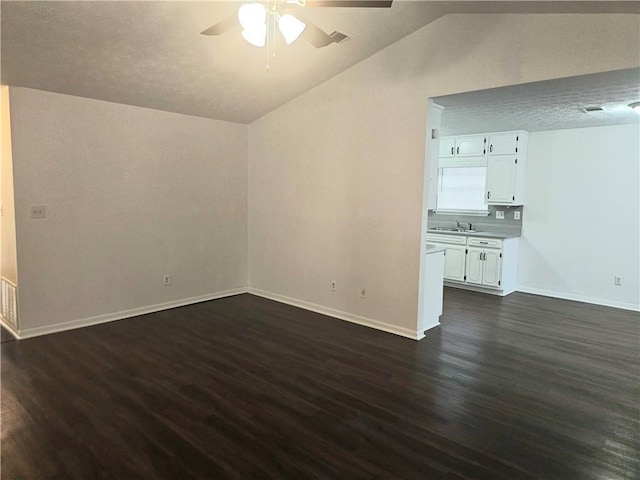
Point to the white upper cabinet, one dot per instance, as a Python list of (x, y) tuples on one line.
[(471, 146), (504, 143), (506, 166), (467, 151), (503, 153), (501, 179), (447, 147)]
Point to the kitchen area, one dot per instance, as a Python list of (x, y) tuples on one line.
[(476, 221), (481, 247), (572, 144)]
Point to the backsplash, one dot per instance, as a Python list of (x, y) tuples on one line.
[(487, 224)]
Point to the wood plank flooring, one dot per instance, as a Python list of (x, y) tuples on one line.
[(6, 335), (521, 387)]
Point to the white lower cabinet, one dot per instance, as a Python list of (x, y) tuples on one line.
[(484, 267), (454, 255), (474, 266), (454, 263), (479, 263)]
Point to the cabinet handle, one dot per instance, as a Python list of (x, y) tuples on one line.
[(490, 148), (451, 150), (483, 243), (458, 151), (488, 195)]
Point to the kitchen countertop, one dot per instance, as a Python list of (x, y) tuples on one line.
[(431, 248), (476, 234)]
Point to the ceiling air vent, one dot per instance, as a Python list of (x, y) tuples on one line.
[(339, 37), (592, 109)]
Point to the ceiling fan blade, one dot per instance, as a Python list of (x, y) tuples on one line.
[(221, 27), (315, 35), (350, 3)]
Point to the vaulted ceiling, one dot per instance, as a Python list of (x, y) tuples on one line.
[(151, 54)]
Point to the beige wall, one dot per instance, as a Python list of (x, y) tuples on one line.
[(132, 194), (8, 259), (335, 176), (581, 223)]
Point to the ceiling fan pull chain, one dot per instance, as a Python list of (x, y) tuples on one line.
[(268, 55), (273, 38)]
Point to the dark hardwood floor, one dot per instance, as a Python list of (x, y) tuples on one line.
[(521, 387), (6, 335)]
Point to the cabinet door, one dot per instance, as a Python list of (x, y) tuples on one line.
[(491, 268), (454, 263), (474, 265), (447, 147), (501, 179), (471, 146), (503, 144)]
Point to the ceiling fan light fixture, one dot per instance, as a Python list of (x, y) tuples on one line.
[(290, 27), (256, 36), (252, 15)]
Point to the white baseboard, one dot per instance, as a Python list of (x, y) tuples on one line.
[(579, 298), (473, 288), (348, 317), (110, 317)]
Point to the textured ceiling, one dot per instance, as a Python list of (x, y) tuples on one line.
[(548, 105), (151, 54)]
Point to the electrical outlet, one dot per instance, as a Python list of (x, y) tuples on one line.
[(363, 292), (617, 281), (39, 211), (500, 214), (332, 285), (516, 215), (166, 280)]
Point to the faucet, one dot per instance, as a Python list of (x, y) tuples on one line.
[(460, 228)]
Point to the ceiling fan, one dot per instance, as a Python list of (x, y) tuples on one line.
[(260, 19)]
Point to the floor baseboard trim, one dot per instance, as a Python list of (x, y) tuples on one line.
[(111, 317), (579, 298), (473, 288), (340, 315)]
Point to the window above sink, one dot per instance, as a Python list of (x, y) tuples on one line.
[(461, 190)]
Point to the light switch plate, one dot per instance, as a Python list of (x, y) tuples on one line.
[(500, 214), (516, 215)]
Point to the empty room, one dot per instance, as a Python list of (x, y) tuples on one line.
[(320, 239)]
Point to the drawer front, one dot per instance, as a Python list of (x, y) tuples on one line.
[(484, 242), (444, 238)]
